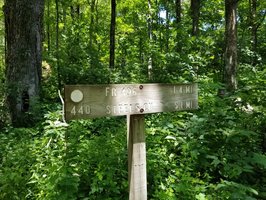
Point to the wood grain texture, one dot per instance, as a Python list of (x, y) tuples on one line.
[(137, 158), (128, 99)]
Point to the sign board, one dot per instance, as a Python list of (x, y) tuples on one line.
[(89, 101)]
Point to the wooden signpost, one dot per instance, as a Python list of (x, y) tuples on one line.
[(133, 100)]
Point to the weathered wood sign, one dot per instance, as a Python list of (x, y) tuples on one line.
[(133, 100), (89, 101)]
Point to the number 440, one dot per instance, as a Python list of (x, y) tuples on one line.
[(82, 110)]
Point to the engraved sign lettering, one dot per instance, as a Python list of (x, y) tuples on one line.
[(89, 101)]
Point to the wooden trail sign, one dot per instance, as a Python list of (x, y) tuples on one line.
[(133, 100), (89, 101)]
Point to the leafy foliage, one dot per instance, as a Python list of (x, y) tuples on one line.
[(64, 161), (214, 153)]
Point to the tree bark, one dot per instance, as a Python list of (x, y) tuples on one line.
[(48, 28), (195, 14), (23, 26), (254, 28), (167, 28), (112, 34), (254, 24), (92, 49), (58, 68), (91, 31), (150, 61), (178, 11), (230, 45)]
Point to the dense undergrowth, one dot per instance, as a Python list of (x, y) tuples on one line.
[(216, 152)]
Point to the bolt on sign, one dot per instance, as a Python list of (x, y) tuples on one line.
[(89, 101), (133, 100)]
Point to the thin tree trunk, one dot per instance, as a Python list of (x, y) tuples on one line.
[(59, 85), (195, 14), (112, 34), (150, 40), (92, 31), (167, 28), (178, 11), (230, 45), (253, 24), (97, 44), (23, 26), (92, 7), (48, 27)]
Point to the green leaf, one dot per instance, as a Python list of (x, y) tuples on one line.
[(259, 159), (200, 196)]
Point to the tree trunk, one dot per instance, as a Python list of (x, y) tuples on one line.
[(92, 49), (230, 45), (178, 11), (112, 34), (167, 28), (58, 68), (23, 26), (195, 14), (150, 62), (91, 31), (253, 24), (48, 28)]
